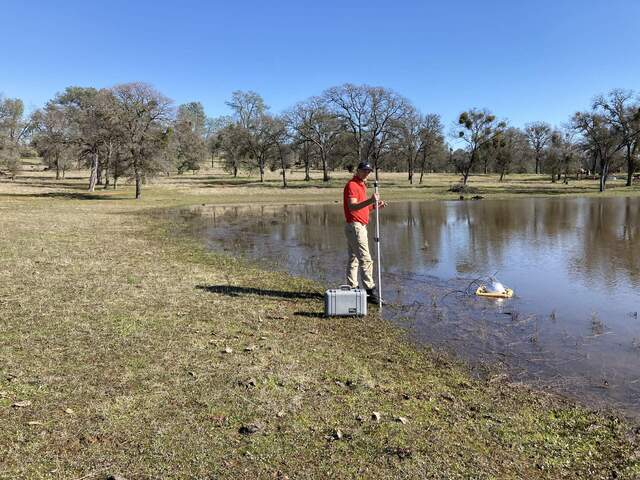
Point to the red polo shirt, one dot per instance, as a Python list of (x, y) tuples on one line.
[(356, 188)]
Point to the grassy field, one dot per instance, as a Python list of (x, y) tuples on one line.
[(127, 349)]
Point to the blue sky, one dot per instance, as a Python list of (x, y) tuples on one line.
[(525, 61)]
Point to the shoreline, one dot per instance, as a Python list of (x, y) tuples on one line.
[(203, 364), (486, 368)]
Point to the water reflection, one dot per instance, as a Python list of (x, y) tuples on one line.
[(571, 262)]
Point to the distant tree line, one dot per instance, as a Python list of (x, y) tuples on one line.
[(132, 131)]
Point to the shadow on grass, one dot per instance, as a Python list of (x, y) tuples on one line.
[(271, 184), (240, 291), (64, 195), (68, 182), (539, 191), (309, 314)]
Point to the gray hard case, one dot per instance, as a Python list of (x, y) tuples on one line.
[(345, 301)]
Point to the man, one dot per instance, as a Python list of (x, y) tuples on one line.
[(356, 211)]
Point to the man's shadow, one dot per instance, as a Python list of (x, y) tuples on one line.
[(233, 291)]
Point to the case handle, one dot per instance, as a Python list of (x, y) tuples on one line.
[(345, 287)]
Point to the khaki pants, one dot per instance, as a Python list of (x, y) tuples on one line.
[(359, 255)]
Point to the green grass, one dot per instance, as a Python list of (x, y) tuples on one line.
[(106, 311)]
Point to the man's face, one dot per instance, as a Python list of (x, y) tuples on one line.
[(363, 174)]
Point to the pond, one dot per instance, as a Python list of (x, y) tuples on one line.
[(574, 265)]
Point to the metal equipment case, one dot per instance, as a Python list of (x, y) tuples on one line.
[(345, 301)]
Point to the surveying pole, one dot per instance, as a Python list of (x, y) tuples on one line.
[(377, 240)]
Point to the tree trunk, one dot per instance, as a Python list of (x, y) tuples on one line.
[(630, 166), (138, 186), (138, 177), (603, 176), (594, 163), (283, 165), (235, 171), (325, 174), (99, 175), (307, 165), (465, 175), (107, 164), (57, 167), (537, 163), (501, 175), (422, 165), (466, 171), (93, 176), (212, 161)]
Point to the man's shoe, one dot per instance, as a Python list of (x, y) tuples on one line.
[(372, 297)]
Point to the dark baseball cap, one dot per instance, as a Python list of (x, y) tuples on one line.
[(365, 166)]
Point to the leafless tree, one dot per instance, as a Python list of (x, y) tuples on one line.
[(602, 139), (51, 137), (562, 154), (539, 136), (370, 114), (248, 108), (431, 139), (313, 122), (250, 113), (621, 109), (408, 141), (213, 127), (388, 109), (352, 104), (282, 149), (143, 115)]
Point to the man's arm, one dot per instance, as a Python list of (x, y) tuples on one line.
[(354, 205)]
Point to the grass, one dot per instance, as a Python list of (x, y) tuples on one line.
[(116, 329), (214, 186)]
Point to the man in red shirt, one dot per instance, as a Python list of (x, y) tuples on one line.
[(356, 212)]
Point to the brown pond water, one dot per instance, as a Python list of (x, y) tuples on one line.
[(574, 265)]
